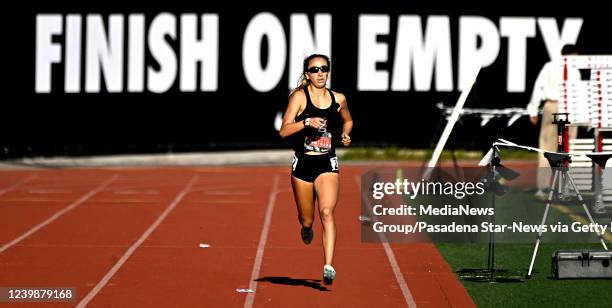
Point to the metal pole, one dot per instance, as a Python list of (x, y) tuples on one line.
[(539, 237)]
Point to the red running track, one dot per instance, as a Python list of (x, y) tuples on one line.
[(131, 238)]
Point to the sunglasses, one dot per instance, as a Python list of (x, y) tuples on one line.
[(315, 69)]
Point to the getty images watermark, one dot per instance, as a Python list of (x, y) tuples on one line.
[(469, 205)]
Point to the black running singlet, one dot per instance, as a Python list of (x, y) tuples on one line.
[(324, 139)]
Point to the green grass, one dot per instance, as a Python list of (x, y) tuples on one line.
[(396, 153), (539, 291), (517, 154), (514, 255)]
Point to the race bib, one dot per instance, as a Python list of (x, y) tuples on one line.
[(321, 144)]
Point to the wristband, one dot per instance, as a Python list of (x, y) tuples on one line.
[(306, 122)]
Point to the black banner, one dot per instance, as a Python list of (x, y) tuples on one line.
[(111, 77)]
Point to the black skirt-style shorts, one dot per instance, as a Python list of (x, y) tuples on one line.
[(309, 167)]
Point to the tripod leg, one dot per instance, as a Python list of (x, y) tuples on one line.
[(586, 209), (539, 238)]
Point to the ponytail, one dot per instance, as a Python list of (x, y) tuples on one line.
[(302, 83)]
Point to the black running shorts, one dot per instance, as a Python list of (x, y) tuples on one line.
[(309, 167)]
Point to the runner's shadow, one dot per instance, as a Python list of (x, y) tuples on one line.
[(311, 283)]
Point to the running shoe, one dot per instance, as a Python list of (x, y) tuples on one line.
[(307, 235), (329, 274)]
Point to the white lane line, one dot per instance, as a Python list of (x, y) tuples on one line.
[(5, 190), (137, 244), (263, 238), (399, 277), (59, 213)]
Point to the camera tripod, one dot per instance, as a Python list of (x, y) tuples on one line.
[(559, 163), (491, 274)]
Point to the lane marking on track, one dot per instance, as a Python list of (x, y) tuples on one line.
[(59, 213), (12, 187), (263, 238), (137, 244), (399, 277)]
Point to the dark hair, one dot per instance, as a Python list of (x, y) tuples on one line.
[(312, 56), (303, 82), (569, 49)]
